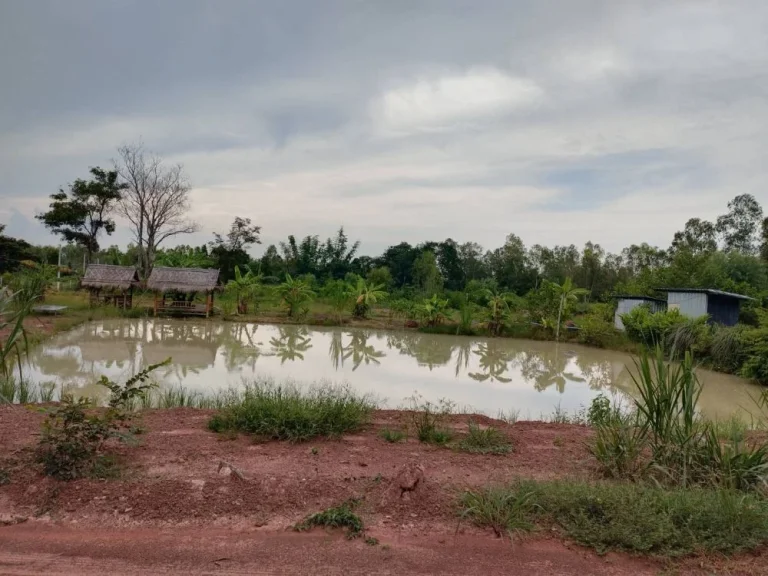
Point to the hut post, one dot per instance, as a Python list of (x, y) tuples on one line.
[(156, 302)]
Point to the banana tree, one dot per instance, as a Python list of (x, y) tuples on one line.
[(498, 310), (567, 293), (365, 294), (296, 294), (245, 288), (433, 311)]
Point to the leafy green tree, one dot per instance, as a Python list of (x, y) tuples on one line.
[(426, 275), (230, 251), (498, 310), (304, 257), (339, 295), (698, 237), (740, 227), (271, 263), (472, 262), (13, 251), (366, 295), (400, 259), (510, 266), (296, 295), (380, 275), (449, 263), (337, 255), (81, 214), (184, 257)]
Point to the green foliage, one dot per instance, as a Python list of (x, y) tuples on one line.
[(296, 295), (15, 344), (642, 325), (429, 421), (728, 348), (595, 331), (286, 412), (245, 288), (379, 276), (756, 346), (80, 215), (632, 518), (74, 434), (487, 440), (342, 516), (433, 311), (497, 310), (392, 436), (365, 295)]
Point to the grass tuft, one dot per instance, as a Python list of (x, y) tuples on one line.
[(392, 436), (342, 516), (484, 441), (629, 517), (287, 412)]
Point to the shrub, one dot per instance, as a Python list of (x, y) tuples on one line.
[(628, 517), (642, 325), (286, 412), (73, 437), (594, 331), (484, 441), (756, 363), (428, 420), (727, 348), (342, 516)]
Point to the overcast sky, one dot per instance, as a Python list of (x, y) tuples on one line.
[(560, 121)]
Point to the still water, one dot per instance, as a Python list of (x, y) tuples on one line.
[(487, 375)]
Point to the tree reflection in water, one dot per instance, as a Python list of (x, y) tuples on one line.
[(291, 343), (546, 370), (493, 362), (360, 351), (239, 346)]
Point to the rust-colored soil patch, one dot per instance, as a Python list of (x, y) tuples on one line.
[(189, 500)]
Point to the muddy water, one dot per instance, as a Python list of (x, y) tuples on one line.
[(487, 375)]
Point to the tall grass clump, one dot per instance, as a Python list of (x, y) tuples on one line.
[(488, 440), (429, 420), (727, 349), (289, 412), (630, 517), (342, 516), (667, 440)]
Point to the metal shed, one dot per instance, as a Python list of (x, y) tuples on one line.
[(722, 307), (627, 303)]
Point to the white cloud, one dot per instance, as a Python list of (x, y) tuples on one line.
[(448, 101)]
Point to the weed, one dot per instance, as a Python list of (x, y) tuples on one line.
[(371, 541), (627, 517), (71, 445), (509, 416), (484, 441), (287, 412), (342, 516), (7, 389), (46, 391), (392, 436), (558, 441), (179, 397), (5, 477), (428, 420), (314, 451), (599, 410)]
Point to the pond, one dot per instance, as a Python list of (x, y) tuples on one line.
[(487, 375)]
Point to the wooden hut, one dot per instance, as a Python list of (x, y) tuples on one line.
[(175, 289), (108, 284)]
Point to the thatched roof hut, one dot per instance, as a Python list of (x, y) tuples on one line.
[(186, 280), (100, 276)]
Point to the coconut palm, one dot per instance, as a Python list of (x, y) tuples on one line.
[(365, 294), (296, 294), (567, 293)]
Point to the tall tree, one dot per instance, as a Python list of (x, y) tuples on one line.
[(337, 255), (229, 251), (698, 237), (450, 266), (80, 215), (740, 228), (426, 274), (510, 267), (155, 201)]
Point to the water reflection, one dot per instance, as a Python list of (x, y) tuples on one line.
[(488, 374)]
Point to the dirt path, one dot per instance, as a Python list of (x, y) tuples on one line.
[(31, 549), (175, 509)]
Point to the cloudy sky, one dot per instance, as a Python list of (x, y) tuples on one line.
[(560, 121)]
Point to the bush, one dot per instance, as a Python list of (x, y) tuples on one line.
[(73, 437), (428, 420), (628, 517), (727, 349), (392, 436), (338, 517), (286, 412), (756, 351), (642, 325), (594, 331)]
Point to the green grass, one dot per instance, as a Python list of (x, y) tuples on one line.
[(392, 436), (288, 412), (341, 516), (484, 441), (428, 420), (628, 517)]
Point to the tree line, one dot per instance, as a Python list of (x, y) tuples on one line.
[(152, 197)]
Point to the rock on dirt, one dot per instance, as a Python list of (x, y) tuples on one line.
[(408, 478)]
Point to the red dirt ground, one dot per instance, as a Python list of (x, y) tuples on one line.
[(172, 511)]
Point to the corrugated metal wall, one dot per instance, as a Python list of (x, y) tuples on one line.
[(691, 304), (626, 305), (723, 310)]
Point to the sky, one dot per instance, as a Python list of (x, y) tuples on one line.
[(402, 120)]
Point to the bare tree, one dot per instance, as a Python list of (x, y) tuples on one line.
[(155, 202)]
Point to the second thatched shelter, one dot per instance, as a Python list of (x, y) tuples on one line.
[(110, 284), (180, 282)]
